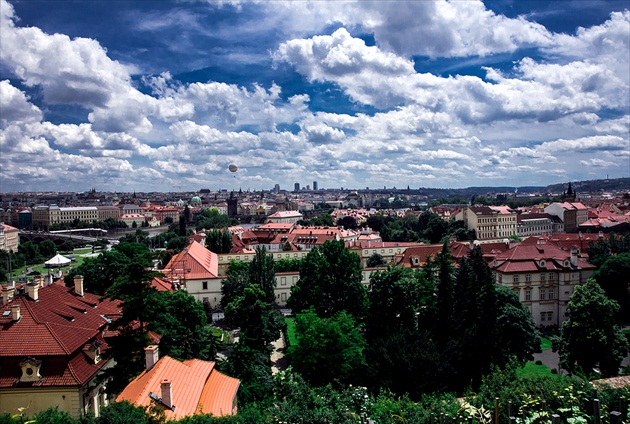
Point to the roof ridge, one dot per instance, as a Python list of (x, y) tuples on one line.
[(57, 338), (72, 372)]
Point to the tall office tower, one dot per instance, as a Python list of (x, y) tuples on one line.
[(276, 188), (314, 185), (296, 187)]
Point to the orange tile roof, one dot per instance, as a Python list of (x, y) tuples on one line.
[(219, 395), (194, 387), (192, 263)]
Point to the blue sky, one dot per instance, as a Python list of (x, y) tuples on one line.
[(152, 95)]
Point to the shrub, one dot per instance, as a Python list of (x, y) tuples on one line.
[(538, 362), (554, 371)]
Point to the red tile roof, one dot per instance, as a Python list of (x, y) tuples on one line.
[(55, 330)]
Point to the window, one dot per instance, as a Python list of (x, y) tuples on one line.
[(204, 285), (283, 297), (549, 316), (283, 281), (515, 279), (542, 316), (551, 276), (528, 277), (542, 294), (542, 276), (528, 295), (552, 294)]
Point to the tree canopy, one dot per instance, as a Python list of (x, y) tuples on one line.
[(330, 282), (590, 337)]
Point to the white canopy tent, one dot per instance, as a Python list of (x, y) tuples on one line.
[(57, 261)]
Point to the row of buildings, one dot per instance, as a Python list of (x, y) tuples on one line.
[(542, 270)]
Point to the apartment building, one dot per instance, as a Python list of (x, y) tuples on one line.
[(490, 223), (45, 216), (543, 275), (572, 214)]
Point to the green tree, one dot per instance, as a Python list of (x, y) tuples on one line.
[(253, 368), (590, 337), (237, 278), (219, 241), (330, 282), (99, 272), (614, 277), (182, 322), (348, 222), (139, 303), (475, 331), (262, 273), (125, 413), (517, 336), (259, 321), (327, 349), (401, 354), (375, 260)]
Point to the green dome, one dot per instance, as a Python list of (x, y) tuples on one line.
[(195, 199)]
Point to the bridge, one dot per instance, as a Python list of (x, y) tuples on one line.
[(77, 236)]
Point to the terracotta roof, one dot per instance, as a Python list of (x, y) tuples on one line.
[(194, 387), (194, 262), (161, 285), (527, 257)]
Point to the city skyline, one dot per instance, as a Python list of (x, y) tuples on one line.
[(154, 96)]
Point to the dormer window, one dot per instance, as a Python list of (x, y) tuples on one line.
[(542, 263), (30, 370)]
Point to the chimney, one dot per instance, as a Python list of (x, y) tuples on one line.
[(15, 313), (574, 256), (7, 295), (151, 356), (78, 285), (167, 393), (33, 291), (40, 281)]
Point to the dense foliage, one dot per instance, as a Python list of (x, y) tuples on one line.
[(330, 282), (590, 338)]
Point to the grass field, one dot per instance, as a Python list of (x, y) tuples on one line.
[(532, 370), (43, 270), (546, 344), (291, 331)]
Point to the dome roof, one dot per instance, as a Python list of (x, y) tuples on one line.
[(196, 199)]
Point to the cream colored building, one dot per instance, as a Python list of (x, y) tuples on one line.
[(45, 216), (543, 276), (490, 223), (9, 238)]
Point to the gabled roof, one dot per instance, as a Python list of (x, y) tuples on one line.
[(54, 329), (196, 387), (529, 257), (193, 263)]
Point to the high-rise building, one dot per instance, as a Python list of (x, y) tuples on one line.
[(296, 187), (276, 188), (314, 185)]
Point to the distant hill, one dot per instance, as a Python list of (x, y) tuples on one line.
[(594, 186)]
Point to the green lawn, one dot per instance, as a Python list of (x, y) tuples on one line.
[(546, 344), (291, 331), (532, 370), (43, 270)]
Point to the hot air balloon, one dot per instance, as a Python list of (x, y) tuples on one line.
[(233, 168)]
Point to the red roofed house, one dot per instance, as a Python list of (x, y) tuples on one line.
[(572, 214), (544, 276), (52, 348), (196, 269), (9, 238), (182, 388)]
